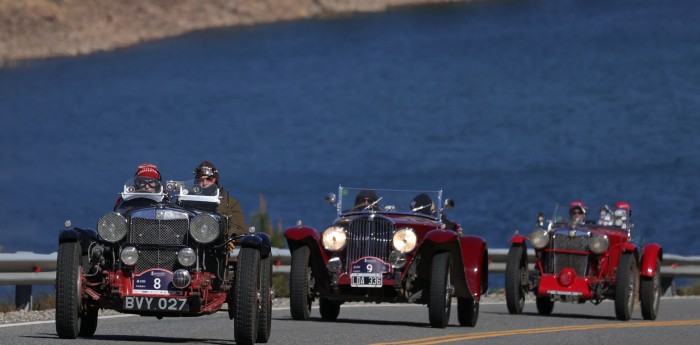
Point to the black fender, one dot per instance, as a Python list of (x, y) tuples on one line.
[(86, 237), (258, 240)]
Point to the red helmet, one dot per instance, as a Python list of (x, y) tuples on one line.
[(577, 204), (148, 170), (624, 205)]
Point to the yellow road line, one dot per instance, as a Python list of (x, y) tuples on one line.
[(471, 336)]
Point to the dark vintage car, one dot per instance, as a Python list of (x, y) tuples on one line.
[(578, 260), (163, 254), (388, 246)]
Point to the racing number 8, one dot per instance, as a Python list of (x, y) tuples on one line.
[(156, 283)]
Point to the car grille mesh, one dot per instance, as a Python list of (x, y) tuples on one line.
[(578, 262), (160, 239), (369, 237)]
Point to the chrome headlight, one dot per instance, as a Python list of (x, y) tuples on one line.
[(181, 278), (539, 238), (186, 256), (599, 244), (405, 240), (334, 238), (204, 228), (112, 227), (129, 256)]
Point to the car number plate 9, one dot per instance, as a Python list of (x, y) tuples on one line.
[(372, 280), (155, 303)]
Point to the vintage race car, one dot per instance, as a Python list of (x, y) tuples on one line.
[(577, 260), (391, 246), (163, 253)]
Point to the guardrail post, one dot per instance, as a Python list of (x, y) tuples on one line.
[(23, 297)]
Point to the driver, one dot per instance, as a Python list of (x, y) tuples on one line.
[(365, 198), (207, 177), (577, 212), (423, 203)]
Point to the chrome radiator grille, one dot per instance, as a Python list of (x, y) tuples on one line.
[(369, 237), (578, 262), (159, 236)]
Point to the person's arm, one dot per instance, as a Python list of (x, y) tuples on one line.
[(236, 221)]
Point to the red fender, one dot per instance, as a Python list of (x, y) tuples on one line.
[(440, 236), (651, 253), (628, 247), (474, 253), (300, 233), (519, 239)]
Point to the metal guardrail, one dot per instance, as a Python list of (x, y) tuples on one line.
[(24, 269)]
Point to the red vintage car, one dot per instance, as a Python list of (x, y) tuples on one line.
[(162, 252), (579, 260), (392, 246)]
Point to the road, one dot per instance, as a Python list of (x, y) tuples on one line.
[(678, 323)]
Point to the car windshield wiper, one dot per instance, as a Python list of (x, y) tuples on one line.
[(372, 204)]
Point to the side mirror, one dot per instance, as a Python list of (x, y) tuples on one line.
[(330, 198), (449, 204), (251, 229)]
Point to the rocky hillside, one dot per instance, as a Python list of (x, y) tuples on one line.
[(47, 28)]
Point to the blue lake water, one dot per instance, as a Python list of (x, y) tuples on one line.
[(510, 106)]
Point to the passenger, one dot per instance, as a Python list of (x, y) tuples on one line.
[(423, 203), (577, 212), (208, 178), (364, 199)]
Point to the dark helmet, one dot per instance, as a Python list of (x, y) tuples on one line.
[(206, 168), (365, 196), (422, 203), (148, 170), (577, 205), (625, 206)]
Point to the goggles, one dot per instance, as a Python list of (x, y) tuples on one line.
[(143, 182)]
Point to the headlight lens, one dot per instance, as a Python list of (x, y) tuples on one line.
[(186, 256), (405, 240), (112, 227), (539, 238), (129, 256), (599, 244), (334, 238), (204, 228)]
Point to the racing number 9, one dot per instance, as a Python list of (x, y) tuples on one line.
[(369, 268)]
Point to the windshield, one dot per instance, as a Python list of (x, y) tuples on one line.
[(604, 215), (143, 187), (427, 203)]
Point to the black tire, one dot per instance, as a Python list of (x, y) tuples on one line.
[(516, 267), (246, 296), (88, 322), (467, 312), (265, 315), (440, 299), (300, 284), (650, 294), (329, 309), (626, 286), (68, 290), (545, 305)]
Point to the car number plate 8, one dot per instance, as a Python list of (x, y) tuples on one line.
[(372, 280), (155, 303)]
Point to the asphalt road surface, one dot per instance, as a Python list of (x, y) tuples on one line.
[(678, 323)]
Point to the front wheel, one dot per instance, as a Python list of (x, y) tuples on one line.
[(545, 305), (68, 290), (247, 301), (265, 315), (88, 322), (300, 284), (329, 309), (626, 286), (440, 291), (650, 294), (516, 268), (467, 311)]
